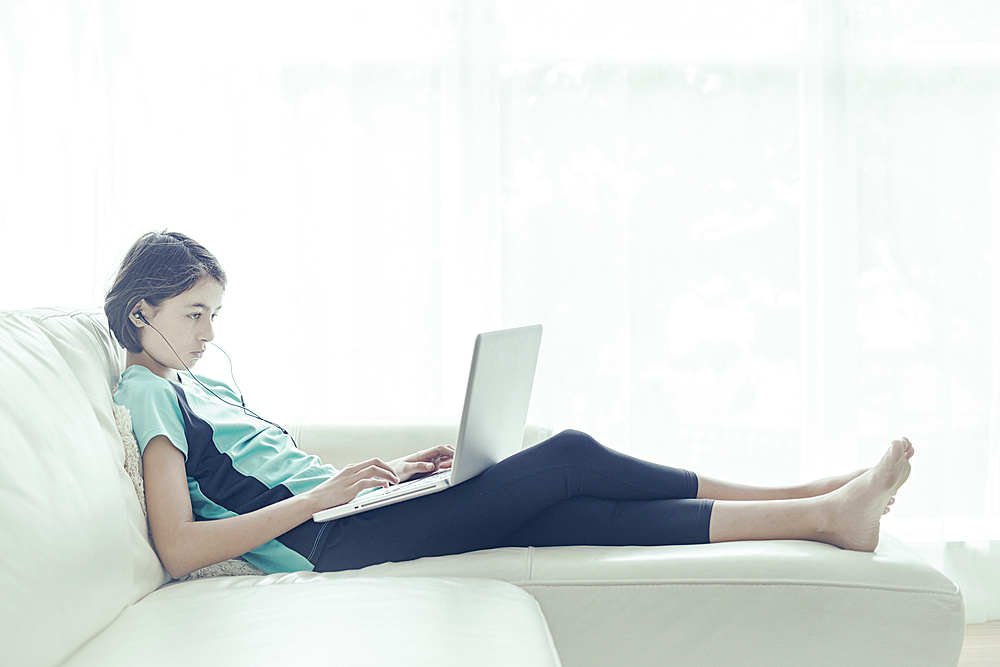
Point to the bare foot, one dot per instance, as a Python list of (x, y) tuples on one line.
[(856, 508), (830, 484)]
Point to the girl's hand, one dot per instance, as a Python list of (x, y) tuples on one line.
[(423, 463), (349, 482)]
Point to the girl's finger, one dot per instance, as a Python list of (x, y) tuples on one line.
[(378, 472), (379, 463)]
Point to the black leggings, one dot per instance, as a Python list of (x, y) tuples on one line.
[(567, 490)]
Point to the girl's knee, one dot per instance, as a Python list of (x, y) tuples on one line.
[(573, 434), (574, 444)]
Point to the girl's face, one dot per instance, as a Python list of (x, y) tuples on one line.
[(185, 321)]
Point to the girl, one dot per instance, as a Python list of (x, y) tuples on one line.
[(207, 457)]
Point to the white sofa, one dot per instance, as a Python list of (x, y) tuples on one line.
[(80, 583)]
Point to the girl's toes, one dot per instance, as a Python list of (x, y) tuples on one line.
[(908, 452), (897, 451)]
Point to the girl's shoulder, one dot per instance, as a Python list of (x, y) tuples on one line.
[(139, 376), (139, 384)]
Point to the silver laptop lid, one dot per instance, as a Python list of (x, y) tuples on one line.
[(496, 400)]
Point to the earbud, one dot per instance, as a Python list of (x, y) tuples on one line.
[(139, 316)]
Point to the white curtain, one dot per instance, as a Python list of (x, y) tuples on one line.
[(762, 236)]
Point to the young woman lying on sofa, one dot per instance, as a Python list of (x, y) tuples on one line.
[(206, 457)]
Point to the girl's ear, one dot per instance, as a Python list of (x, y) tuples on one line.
[(136, 317)]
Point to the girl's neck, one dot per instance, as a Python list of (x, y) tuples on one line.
[(153, 366)]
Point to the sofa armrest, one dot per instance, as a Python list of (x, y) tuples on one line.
[(340, 442)]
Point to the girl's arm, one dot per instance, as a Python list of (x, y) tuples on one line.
[(185, 545)]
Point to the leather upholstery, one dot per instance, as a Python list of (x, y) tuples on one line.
[(75, 547), (296, 620)]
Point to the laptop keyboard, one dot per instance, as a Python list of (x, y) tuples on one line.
[(403, 487)]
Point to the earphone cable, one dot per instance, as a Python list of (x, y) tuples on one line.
[(231, 375), (245, 409)]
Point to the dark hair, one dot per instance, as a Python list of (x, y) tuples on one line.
[(159, 266)]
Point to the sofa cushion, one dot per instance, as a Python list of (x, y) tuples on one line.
[(752, 603), (314, 619), (737, 603), (75, 547)]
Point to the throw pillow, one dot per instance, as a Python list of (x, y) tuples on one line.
[(133, 466)]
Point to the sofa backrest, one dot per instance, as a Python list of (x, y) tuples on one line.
[(74, 548)]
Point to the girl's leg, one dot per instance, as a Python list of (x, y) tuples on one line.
[(571, 490), (603, 522), (719, 490), (847, 517)]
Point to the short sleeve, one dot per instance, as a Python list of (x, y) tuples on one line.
[(155, 411)]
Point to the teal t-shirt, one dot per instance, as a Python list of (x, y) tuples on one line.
[(235, 463)]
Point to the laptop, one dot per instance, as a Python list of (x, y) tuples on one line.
[(493, 419)]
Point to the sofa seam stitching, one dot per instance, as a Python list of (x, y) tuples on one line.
[(565, 584)]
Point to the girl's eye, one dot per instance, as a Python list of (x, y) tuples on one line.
[(194, 316)]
